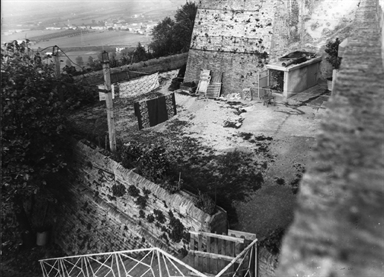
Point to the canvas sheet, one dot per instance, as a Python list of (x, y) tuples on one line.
[(139, 86), (152, 112)]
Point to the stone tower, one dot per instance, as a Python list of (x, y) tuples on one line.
[(235, 36)]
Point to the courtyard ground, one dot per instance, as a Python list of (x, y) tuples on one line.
[(278, 137)]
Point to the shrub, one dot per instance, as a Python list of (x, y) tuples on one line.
[(273, 241), (159, 216), (142, 214), (150, 218), (118, 190), (177, 228), (133, 191), (141, 201), (332, 49), (205, 203)]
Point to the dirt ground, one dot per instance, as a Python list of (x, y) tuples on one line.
[(279, 138)]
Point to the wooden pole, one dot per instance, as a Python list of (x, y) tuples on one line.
[(109, 102), (57, 65), (56, 58)]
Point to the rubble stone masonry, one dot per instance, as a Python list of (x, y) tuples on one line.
[(103, 212), (338, 228), (233, 36)]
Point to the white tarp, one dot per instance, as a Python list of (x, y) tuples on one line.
[(139, 86)]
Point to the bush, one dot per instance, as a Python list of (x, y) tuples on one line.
[(176, 233), (150, 162), (133, 191), (205, 203), (332, 49), (159, 216), (273, 241), (118, 190)]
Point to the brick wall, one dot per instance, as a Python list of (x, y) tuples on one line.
[(338, 228), (102, 215)]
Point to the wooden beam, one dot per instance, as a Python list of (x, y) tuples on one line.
[(223, 237), (214, 256), (239, 234), (109, 103)]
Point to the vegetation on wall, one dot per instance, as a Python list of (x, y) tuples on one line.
[(217, 180), (273, 241), (277, 80), (177, 229), (118, 190), (332, 49), (149, 161)]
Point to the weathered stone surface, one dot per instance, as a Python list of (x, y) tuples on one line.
[(339, 222), (229, 35), (102, 216)]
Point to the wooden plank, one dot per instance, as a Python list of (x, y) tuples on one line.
[(204, 260), (230, 251), (200, 259), (192, 248), (223, 237), (215, 248), (213, 90), (196, 261), (214, 256), (221, 263), (244, 235), (209, 250)]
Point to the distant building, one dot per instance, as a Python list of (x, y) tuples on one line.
[(53, 28)]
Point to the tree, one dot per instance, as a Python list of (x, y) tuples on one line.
[(162, 38), (185, 20), (139, 54), (35, 136), (171, 37), (91, 62), (79, 61), (68, 63)]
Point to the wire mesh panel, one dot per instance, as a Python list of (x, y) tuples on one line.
[(152, 262)]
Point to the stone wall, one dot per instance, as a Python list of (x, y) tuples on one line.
[(128, 72), (338, 228), (229, 36), (111, 208)]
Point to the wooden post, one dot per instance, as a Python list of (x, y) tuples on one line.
[(109, 102), (56, 57)]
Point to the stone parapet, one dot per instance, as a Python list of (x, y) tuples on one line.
[(112, 208), (339, 222)]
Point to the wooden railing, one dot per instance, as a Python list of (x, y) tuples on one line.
[(223, 255), (209, 255)]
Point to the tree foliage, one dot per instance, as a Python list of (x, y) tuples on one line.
[(35, 136), (174, 36), (332, 49)]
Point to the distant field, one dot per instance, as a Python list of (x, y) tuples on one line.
[(94, 38), (97, 38), (26, 34)]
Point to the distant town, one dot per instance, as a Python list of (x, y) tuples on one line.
[(142, 28)]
